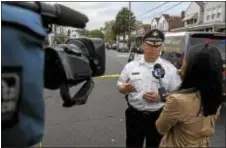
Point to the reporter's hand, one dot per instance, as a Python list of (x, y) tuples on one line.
[(151, 96), (127, 87)]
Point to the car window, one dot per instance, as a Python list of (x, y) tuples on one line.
[(219, 43), (173, 48), (174, 43)]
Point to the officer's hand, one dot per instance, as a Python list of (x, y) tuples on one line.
[(127, 87), (151, 96)]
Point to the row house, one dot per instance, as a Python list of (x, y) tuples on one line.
[(70, 32), (204, 16), (136, 36), (154, 23), (166, 22)]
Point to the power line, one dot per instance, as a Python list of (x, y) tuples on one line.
[(152, 9), (162, 11)]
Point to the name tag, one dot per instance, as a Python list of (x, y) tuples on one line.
[(135, 73), (11, 93)]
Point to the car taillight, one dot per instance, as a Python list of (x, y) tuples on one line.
[(224, 71)]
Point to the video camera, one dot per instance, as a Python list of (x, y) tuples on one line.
[(76, 61), (28, 67)]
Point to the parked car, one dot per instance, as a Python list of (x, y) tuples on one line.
[(111, 45), (122, 47), (114, 46)]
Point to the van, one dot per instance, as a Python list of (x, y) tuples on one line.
[(177, 44), (122, 46)]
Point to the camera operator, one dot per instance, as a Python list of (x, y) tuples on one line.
[(27, 67)]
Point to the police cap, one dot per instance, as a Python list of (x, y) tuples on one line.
[(154, 37)]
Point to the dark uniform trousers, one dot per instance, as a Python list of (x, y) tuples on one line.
[(140, 125)]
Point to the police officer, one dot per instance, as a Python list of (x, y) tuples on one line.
[(136, 81)]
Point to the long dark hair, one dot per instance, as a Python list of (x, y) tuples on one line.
[(204, 73)]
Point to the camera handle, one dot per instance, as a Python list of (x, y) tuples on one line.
[(80, 97)]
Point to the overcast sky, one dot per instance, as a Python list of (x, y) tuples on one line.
[(100, 12)]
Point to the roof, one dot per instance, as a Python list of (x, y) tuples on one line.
[(201, 4), (201, 26), (157, 18), (146, 25), (191, 33), (143, 25), (194, 16), (167, 16), (175, 22)]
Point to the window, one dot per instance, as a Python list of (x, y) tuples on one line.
[(209, 14), (218, 15), (213, 16), (214, 13), (190, 21), (219, 10), (173, 48), (195, 20), (162, 26)]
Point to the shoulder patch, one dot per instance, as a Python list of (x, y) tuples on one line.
[(11, 94)]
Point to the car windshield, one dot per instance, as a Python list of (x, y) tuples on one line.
[(173, 48), (173, 44)]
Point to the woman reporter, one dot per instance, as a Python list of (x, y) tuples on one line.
[(189, 116)]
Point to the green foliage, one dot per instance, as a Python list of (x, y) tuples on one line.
[(124, 18), (96, 34), (108, 31)]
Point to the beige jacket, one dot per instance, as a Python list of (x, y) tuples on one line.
[(182, 123)]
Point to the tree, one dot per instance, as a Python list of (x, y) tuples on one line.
[(96, 34), (124, 18), (108, 31), (138, 23)]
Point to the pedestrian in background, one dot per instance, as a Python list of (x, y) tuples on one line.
[(136, 81), (189, 116)]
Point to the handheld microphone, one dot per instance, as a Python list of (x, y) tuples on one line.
[(159, 73)]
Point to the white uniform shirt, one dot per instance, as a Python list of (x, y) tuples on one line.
[(140, 75)]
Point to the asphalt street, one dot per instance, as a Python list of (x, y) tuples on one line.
[(100, 122)]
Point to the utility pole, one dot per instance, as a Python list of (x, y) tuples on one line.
[(129, 35)]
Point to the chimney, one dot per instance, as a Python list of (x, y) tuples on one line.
[(182, 14)]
